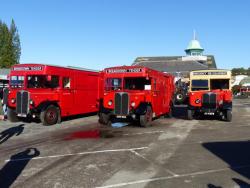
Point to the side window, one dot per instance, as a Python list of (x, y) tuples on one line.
[(55, 81), (66, 82)]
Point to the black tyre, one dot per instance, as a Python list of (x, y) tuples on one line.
[(190, 114), (12, 116), (146, 119), (104, 119), (228, 115), (50, 115)]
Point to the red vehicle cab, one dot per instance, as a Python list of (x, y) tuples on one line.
[(136, 93), (210, 94), (50, 92)]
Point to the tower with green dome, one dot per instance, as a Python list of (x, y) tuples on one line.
[(194, 48)]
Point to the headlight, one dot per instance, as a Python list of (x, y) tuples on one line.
[(31, 102), (133, 104), (13, 101), (197, 101), (110, 103)]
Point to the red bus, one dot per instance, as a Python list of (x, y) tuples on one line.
[(50, 92), (136, 93)]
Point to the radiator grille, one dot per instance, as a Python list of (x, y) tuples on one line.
[(22, 103), (209, 100), (121, 104)]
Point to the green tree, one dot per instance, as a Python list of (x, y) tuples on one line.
[(15, 42), (10, 49)]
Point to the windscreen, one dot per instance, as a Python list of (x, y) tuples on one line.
[(137, 83), (16, 81), (113, 84), (199, 85), (41, 81), (219, 83)]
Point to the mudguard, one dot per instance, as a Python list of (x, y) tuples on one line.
[(142, 108)]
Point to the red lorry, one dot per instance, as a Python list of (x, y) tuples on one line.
[(210, 94), (136, 93), (50, 92)]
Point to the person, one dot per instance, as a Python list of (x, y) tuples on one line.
[(4, 103)]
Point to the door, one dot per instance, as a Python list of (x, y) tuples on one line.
[(67, 96)]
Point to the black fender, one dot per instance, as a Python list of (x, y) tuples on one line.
[(142, 108), (227, 106), (45, 104)]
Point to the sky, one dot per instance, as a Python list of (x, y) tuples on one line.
[(96, 34)]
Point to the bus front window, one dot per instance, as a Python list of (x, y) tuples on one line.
[(16, 81), (219, 83), (113, 84), (199, 85), (137, 83), (41, 81)]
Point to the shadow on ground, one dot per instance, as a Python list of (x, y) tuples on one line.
[(8, 133), (236, 155), (14, 167)]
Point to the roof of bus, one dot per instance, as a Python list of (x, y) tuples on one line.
[(66, 67)]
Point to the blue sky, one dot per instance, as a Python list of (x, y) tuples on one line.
[(101, 33)]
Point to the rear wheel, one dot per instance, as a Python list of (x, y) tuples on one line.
[(190, 114), (104, 118), (170, 113), (12, 116), (146, 119), (228, 115), (50, 115)]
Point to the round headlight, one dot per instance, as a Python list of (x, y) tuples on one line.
[(110, 103), (31, 102), (197, 101), (133, 104), (13, 101)]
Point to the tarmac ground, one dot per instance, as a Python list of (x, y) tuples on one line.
[(174, 153)]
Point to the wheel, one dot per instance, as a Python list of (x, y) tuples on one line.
[(50, 115), (104, 118), (146, 119), (12, 116), (228, 115), (190, 114)]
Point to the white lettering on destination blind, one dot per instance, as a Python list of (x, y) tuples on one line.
[(38, 68), (209, 73), (135, 70)]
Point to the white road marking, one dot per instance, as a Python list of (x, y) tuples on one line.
[(141, 156), (82, 153), (171, 177)]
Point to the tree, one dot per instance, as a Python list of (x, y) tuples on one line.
[(10, 49), (15, 42)]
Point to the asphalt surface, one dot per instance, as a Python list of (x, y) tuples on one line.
[(172, 153)]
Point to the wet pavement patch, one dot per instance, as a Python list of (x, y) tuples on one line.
[(93, 134)]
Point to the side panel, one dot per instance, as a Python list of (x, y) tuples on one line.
[(86, 92)]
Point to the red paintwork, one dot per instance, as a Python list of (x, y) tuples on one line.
[(160, 97), (222, 96), (82, 96)]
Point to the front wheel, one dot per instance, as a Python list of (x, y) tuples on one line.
[(104, 118), (50, 115), (229, 115), (190, 114), (146, 119), (12, 116)]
